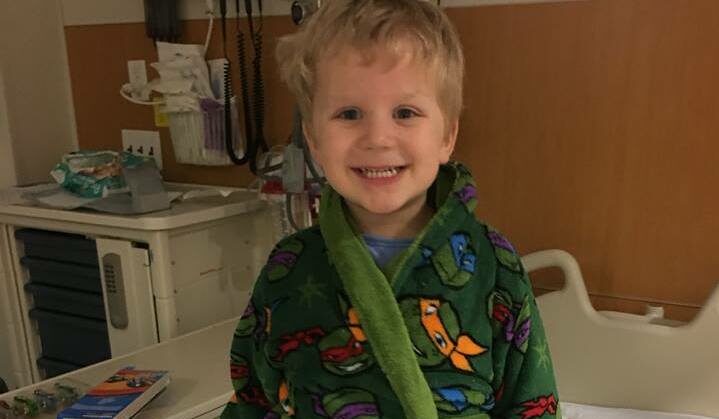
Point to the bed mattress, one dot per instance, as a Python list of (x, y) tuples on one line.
[(581, 411)]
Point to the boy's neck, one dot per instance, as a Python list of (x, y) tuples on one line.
[(405, 223)]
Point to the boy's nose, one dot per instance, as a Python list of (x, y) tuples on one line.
[(379, 133)]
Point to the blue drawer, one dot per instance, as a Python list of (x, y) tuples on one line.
[(65, 275), (63, 247), (71, 339), (78, 303)]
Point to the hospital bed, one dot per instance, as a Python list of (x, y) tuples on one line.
[(625, 362), (609, 365)]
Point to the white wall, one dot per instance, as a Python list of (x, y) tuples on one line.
[(37, 95), (7, 159), (89, 12)]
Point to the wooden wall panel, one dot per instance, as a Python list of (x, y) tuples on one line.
[(590, 126)]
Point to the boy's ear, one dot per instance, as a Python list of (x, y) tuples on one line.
[(450, 140)]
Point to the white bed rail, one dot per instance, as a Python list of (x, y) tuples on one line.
[(627, 360)]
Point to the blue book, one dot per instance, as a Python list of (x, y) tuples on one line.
[(119, 397)]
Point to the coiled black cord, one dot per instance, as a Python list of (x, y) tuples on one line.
[(254, 132), (258, 91), (227, 83), (229, 143)]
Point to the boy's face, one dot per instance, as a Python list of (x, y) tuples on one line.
[(377, 130)]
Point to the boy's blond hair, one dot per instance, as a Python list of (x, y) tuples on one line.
[(365, 25)]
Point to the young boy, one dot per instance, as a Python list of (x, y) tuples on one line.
[(400, 304)]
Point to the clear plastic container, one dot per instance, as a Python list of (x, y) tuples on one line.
[(198, 137)]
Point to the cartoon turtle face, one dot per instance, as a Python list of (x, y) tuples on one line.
[(512, 320), (460, 399), (464, 257), (256, 323), (455, 262), (348, 404), (504, 251), (435, 333), (500, 307), (343, 354), (239, 371), (426, 346), (519, 335), (283, 258)]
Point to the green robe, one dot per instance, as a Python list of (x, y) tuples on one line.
[(450, 329)]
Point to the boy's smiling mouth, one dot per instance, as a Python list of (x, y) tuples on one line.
[(378, 172)]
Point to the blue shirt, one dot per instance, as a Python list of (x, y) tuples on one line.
[(384, 249)]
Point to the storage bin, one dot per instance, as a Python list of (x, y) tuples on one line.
[(65, 275), (53, 367), (198, 137), (71, 339), (78, 303), (63, 247)]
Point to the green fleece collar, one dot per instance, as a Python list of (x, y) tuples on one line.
[(372, 295)]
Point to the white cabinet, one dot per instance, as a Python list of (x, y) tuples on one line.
[(162, 275)]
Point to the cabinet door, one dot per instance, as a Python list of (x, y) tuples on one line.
[(15, 366), (213, 268), (127, 292)]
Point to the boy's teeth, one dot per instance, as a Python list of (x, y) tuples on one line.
[(379, 173)]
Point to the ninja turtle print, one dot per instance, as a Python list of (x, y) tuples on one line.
[(456, 261), (342, 354), (251, 396), (352, 320), (459, 399), (465, 191), (468, 196), (342, 351), (292, 342), (285, 406), (504, 251), (283, 258), (540, 406), (436, 335), (255, 323), (512, 320), (239, 370), (462, 314), (248, 322), (348, 403)]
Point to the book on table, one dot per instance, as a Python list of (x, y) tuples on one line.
[(120, 396)]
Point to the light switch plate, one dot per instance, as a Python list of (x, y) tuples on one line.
[(143, 143)]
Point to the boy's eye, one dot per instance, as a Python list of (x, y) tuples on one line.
[(349, 114), (405, 113)]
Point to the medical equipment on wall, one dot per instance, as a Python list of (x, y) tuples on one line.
[(302, 9), (161, 20), (253, 108), (201, 108), (192, 94), (299, 181)]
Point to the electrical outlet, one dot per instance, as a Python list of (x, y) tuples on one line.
[(143, 143)]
